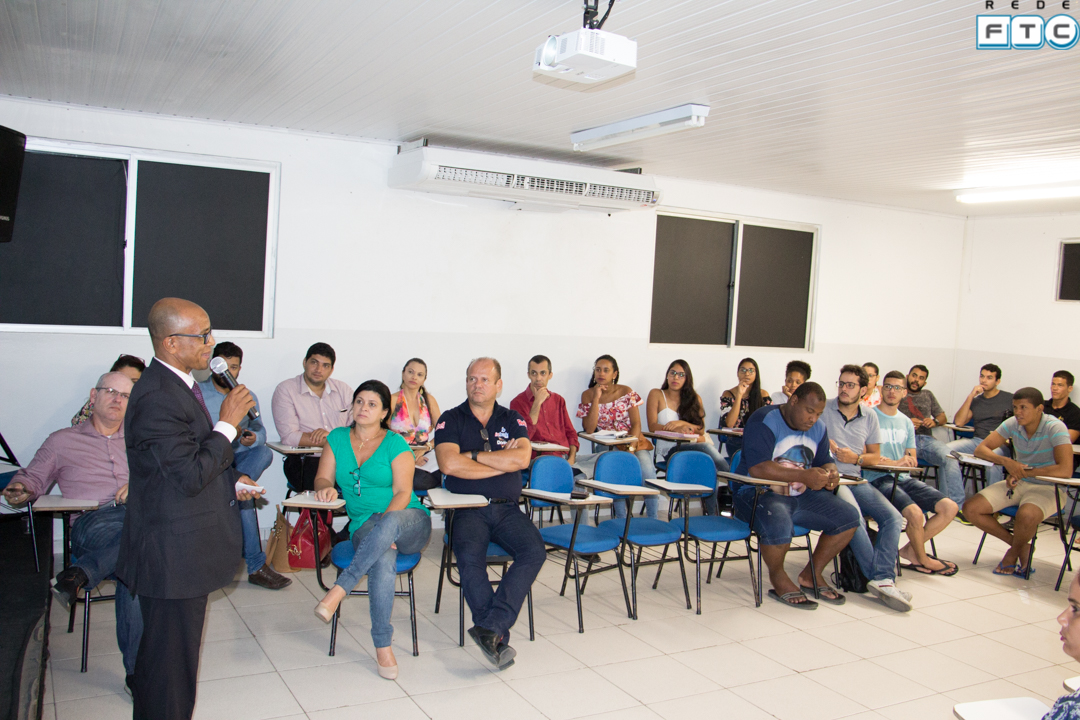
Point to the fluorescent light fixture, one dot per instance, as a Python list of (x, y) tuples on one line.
[(1010, 194), (645, 126)]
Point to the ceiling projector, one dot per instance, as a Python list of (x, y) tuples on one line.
[(586, 56)]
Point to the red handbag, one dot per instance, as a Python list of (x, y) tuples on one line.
[(302, 542)]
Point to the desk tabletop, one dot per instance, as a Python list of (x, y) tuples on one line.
[(679, 488), (616, 489), (1072, 684), (59, 503), (293, 450), (852, 481), (307, 499), (1076, 449), (897, 469), (969, 459), (726, 431), (751, 480), (1064, 482), (549, 447), (443, 499), (959, 428), (1007, 709), (675, 437), (607, 439), (564, 498)]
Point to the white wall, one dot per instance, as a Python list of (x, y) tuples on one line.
[(384, 275)]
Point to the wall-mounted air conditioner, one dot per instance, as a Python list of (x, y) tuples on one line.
[(531, 184)]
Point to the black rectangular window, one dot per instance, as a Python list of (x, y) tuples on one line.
[(200, 234), (1069, 285), (65, 263), (692, 281), (774, 287)]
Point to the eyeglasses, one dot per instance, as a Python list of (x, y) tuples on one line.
[(747, 371), (846, 385), (205, 336), (113, 393), (484, 435), (888, 386), (676, 374), (355, 474)]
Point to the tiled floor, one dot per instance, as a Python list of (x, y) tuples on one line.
[(973, 636)]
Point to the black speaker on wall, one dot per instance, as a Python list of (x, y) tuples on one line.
[(12, 148)]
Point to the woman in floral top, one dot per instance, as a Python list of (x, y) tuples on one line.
[(1067, 707), (747, 396), (607, 405)]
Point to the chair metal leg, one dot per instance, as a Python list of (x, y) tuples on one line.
[(723, 559), (633, 585), (532, 629), (461, 615), (1068, 554), (750, 562), (682, 571), (71, 617), (813, 570), (660, 565), (712, 562), (577, 594), (412, 616), (622, 579), (86, 627), (33, 536), (333, 629), (697, 572), (979, 550)]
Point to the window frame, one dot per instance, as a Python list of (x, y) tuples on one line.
[(1060, 275), (740, 221), (132, 156)]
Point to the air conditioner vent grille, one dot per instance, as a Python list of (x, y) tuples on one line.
[(549, 185), (474, 177), (613, 192)]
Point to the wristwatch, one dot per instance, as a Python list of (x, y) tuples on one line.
[(474, 453)]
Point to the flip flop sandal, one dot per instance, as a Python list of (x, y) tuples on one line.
[(949, 570), (787, 598), (836, 599), (921, 569), (1006, 569), (1023, 572)]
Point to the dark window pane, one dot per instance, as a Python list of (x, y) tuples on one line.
[(1070, 272), (65, 263), (691, 281), (774, 287), (200, 234)]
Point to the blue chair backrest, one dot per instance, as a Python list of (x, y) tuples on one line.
[(735, 460), (692, 468), (618, 468), (552, 474), (5, 478)]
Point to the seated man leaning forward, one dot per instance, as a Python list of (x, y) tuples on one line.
[(1042, 447), (789, 444), (89, 462), (482, 447), (913, 498)]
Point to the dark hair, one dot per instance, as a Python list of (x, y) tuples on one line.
[(539, 359), (858, 372), (133, 362), (1066, 376), (321, 348), (877, 370), (798, 366), (895, 375), (755, 400), (809, 388), (991, 367), (1032, 395), (379, 388), (409, 362), (689, 408), (919, 367), (228, 349), (614, 364)]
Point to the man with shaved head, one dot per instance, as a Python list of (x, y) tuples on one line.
[(89, 462), (181, 539), (482, 447)]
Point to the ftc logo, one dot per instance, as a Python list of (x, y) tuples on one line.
[(1025, 32)]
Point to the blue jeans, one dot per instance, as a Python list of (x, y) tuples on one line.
[(967, 445), (709, 501), (877, 562), (932, 451), (410, 529), (252, 461), (501, 523), (777, 514), (95, 545)]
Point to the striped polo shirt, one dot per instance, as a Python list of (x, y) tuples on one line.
[(1038, 450)]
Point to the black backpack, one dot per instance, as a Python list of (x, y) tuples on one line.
[(850, 577)]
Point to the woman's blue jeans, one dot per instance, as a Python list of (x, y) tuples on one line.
[(410, 529)]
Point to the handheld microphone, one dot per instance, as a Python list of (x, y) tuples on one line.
[(220, 368)]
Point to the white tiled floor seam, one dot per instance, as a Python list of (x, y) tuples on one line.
[(973, 636)]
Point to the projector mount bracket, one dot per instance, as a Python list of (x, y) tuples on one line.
[(591, 11)]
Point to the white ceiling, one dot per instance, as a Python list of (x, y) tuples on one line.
[(879, 101)]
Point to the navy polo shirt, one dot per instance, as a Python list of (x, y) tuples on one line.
[(459, 425)]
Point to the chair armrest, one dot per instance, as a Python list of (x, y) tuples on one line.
[(735, 477), (679, 488), (565, 499), (614, 489)]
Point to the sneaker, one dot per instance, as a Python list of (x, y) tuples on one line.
[(67, 584), (887, 592), (963, 520)]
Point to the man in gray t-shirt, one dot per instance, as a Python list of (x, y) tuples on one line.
[(922, 407), (984, 409)]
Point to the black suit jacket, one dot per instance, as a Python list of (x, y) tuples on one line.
[(182, 535)]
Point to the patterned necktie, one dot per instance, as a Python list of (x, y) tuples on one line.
[(202, 403)]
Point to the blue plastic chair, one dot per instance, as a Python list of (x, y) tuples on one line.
[(541, 505), (579, 541), (693, 468), (622, 468), (341, 556)]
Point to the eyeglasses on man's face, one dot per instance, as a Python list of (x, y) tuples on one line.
[(890, 386), (846, 385), (205, 336), (113, 393)]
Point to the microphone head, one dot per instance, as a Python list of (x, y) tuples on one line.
[(218, 366)]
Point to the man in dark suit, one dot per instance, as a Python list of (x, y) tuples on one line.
[(181, 537)]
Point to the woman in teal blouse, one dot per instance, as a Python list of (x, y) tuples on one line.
[(373, 466)]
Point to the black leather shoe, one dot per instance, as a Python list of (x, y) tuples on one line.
[(129, 685), (498, 653), (67, 585), (269, 578)]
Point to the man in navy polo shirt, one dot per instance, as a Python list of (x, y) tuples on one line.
[(482, 447)]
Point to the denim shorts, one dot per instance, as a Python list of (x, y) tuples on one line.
[(778, 514), (909, 492)]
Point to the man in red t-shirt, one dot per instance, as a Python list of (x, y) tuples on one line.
[(545, 411)]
